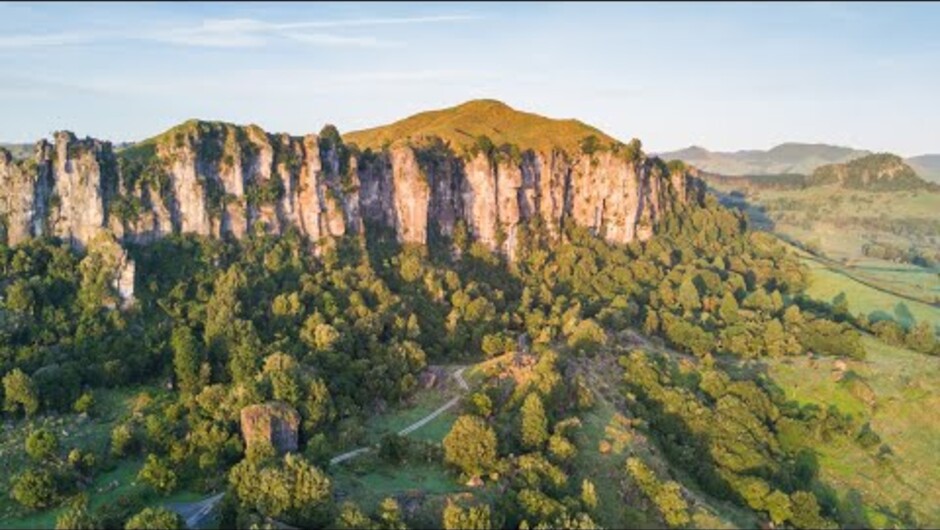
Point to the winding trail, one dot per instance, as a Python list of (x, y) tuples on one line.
[(195, 513), (458, 375)]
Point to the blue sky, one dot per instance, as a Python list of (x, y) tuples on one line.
[(724, 76)]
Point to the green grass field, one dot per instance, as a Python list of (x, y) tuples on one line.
[(903, 407), (828, 282)]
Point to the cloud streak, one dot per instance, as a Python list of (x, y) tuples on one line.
[(237, 33)]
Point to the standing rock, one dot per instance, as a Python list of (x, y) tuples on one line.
[(276, 423)]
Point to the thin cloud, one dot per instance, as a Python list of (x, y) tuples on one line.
[(50, 39), (327, 39), (236, 33)]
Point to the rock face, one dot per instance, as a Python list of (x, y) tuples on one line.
[(275, 423), (216, 179)]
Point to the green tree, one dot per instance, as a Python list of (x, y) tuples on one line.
[(77, 517), (42, 445), (534, 426), (729, 310), (476, 517), (158, 474), (588, 495), (34, 488), (390, 517), (922, 338), (155, 519), (471, 445), (187, 360), (290, 489), (84, 404), (351, 518), (805, 511), (19, 392), (689, 296), (778, 506)]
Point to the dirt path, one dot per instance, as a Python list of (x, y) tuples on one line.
[(195, 513), (458, 375)]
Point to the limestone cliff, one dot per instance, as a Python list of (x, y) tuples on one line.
[(221, 180)]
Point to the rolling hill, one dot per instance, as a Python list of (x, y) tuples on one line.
[(927, 166), (782, 159)]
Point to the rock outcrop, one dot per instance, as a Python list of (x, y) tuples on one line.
[(216, 179), (274, 423)]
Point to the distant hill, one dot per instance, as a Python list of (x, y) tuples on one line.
[(880, 172), (927, 166), (461, 125), (788, 158)]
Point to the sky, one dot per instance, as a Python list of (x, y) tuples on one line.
[(725, 76)]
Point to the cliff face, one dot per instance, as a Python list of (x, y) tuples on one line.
[(221, 180)]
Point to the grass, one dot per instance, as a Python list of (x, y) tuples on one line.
[(828, 282), (905, 413), (461, 125), (370, 485)]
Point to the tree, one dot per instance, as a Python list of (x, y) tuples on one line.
[(471, 445), (922, 338), (669, 500), (156, 473), (778, 506), (689, 296), (41, 445), (34, 488), (290, 488), (588, 495), (19, 392), (729, 310), (805, 511), (534, 422), (586, 337), (390, 517), (187, 360), (155, 519), (472, 518), (84, 404), (351, 518), (77, 517)]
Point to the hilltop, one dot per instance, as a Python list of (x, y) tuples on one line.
[(880, 172), (462, 124)]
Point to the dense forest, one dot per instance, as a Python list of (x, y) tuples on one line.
[(346, 331)]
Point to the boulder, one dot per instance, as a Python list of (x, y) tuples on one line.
[(276, 423)]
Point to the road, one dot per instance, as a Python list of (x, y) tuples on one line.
[(195, 513)]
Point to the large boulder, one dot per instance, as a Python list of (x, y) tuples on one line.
[(275, 423)]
